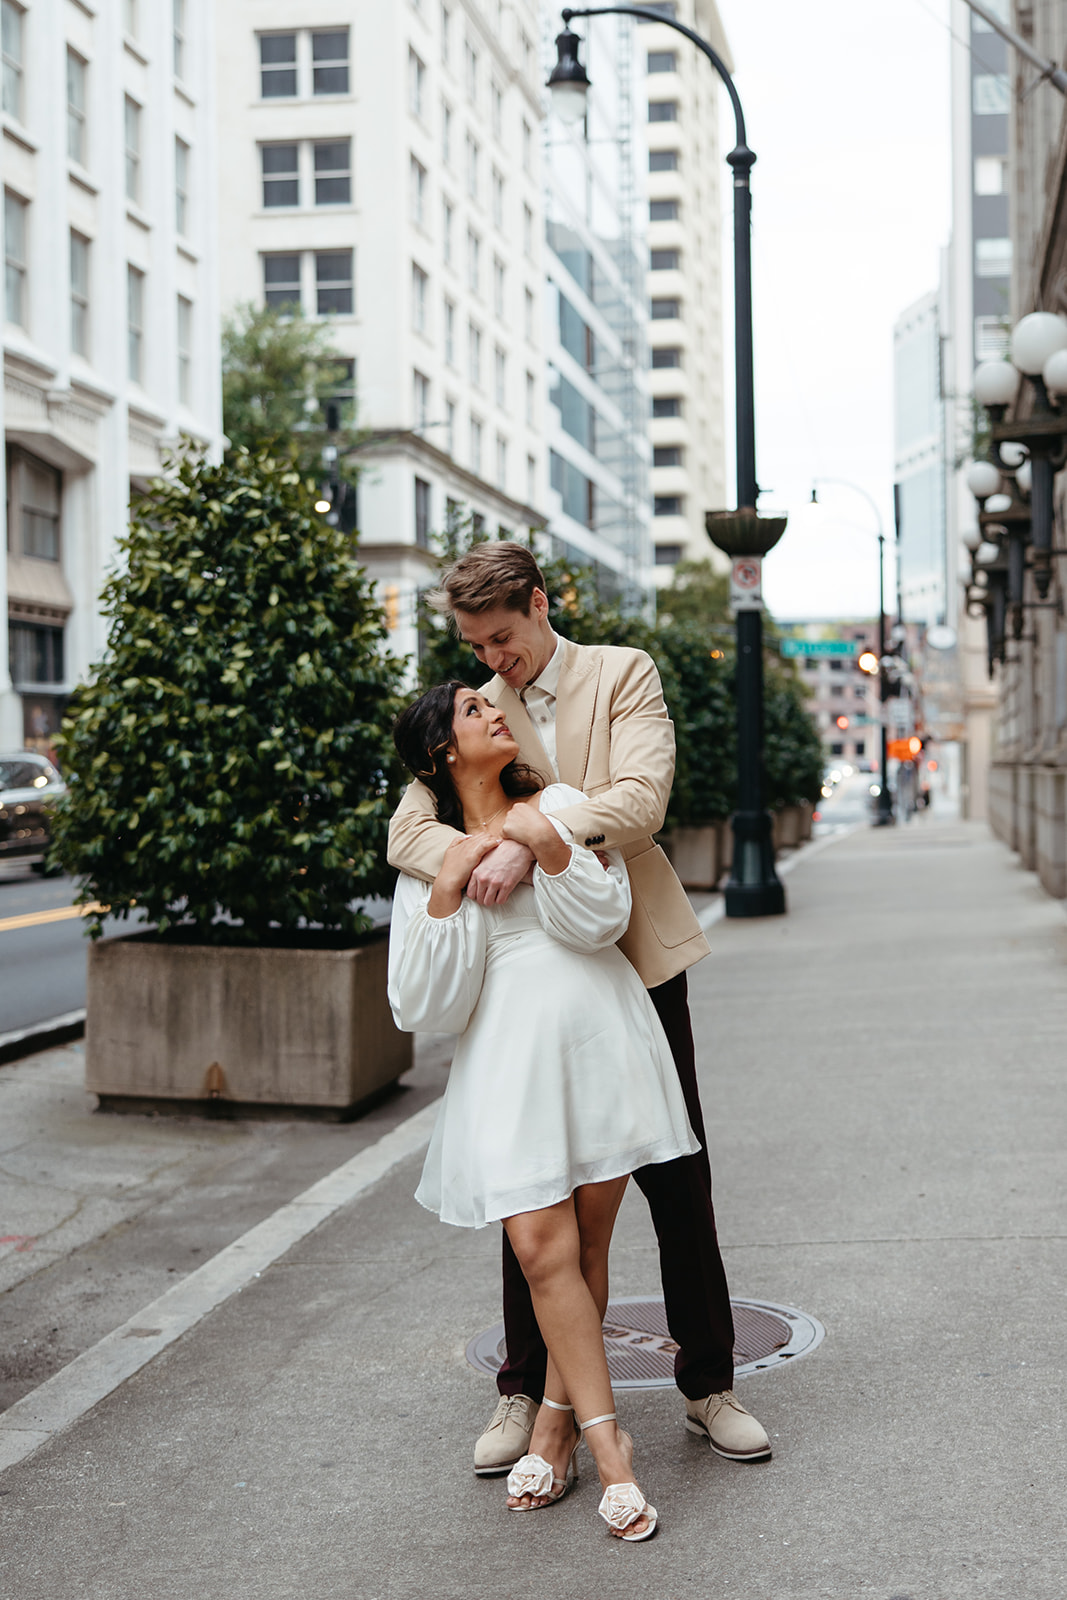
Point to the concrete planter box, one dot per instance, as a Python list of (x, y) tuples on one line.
[(787, 823), (193, 1027), (694, 855)]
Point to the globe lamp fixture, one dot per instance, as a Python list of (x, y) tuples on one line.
[(568, 80), (982, 479), (1035, 339)]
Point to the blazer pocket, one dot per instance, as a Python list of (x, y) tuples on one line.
[(662, 899)]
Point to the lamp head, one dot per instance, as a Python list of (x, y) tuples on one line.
[(1035, 339), (983, 479), (999, 503), (568, 80), (1024, 478), (1054, 373), (995, 383)]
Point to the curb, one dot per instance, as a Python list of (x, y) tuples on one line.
[(41, 1036)]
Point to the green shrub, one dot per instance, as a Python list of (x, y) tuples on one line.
[(229, 761)]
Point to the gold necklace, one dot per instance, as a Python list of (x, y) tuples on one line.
[(493, 818)]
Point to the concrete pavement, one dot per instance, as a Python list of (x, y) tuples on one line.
[(883, 1076)]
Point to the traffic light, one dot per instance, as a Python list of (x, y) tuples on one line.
[(842, 722), (868, 663)]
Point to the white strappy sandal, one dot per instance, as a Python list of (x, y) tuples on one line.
[(623, 1504), (533, 1475)]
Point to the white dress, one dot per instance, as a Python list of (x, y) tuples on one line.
[(562, 1074)]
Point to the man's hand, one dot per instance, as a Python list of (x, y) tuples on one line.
[(498, 873), (461, 857)]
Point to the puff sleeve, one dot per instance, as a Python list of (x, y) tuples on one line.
[(436, 964), (586, 906)]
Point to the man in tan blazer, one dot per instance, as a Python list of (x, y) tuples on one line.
[(594, 717)]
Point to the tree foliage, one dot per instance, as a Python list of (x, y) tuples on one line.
[(230, 765), (692, 644), (279, 370)]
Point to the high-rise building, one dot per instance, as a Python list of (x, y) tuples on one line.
[(927, 586), (682, 190), (596, 327), (381, 166), (111, 315)]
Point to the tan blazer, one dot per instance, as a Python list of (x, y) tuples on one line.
[(615, 742)]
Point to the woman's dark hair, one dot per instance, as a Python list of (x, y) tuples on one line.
[(422, 735)]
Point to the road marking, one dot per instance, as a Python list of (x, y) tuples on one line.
[(59, 1402), (33, 919)]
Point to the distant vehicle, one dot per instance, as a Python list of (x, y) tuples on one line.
[(29, 787)]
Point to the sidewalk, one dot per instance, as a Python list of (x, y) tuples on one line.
[(883, 1075)]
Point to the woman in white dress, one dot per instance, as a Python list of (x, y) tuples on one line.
[(562, 1082)]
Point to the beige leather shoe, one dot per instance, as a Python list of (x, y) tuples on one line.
[(730, 1430), (507, 1437)]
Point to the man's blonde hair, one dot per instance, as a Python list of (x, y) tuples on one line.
[(497, 573)]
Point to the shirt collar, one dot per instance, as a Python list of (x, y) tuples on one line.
[(548, 678)]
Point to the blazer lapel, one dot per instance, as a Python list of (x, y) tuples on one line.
[(575, 703), (531, 750)]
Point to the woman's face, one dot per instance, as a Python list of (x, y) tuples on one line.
[(481, 739)]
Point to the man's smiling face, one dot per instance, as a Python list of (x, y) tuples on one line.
[(514, 645)]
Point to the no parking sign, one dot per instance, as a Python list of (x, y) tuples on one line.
[(746, 583)]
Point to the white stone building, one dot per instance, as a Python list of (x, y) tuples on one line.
[(382, 166), (111, 315), (685, 169)]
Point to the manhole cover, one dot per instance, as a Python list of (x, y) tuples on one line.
[(641, 1351)]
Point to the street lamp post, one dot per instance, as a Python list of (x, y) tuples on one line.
[(753, 888)]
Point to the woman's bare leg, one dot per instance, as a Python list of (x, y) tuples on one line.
[(555, 1248)]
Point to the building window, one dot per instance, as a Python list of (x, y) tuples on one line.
[(419, 285), (329, 61), (132, 125), (665, 260), (474, 261), (992, 258), (129, 18), (496, 110), (528, 315), (575, 335), (664, 210), (448, 217), (499, 281), (992, 337), (991, 94), (527, 146), (281, 280), (422, 513), (418, 197), (991, 175), (663, 111), (668, 555), (470, 62), (501, 461), (500, 377), (498, 199), (663, 161), (332, 162), (531, 478), (35, 654), (527, 232), (667, 455), (473, 154), (450, 427), (12, 53), (837, 749), (450, 333), (15, 258), (185, 349), (79, 294), (667, 405), (333, 282), (446, 35), (474, 354), (39, 489), (178, 18), (277, 65), (665, 310), (476, 446), (576, 491), (281, 174), (421, 395), (531, 397), (181, 187), (667, 505), (668, 356), (446, 133), (663, 61), (76, 73), (416, 85), (134, 324)]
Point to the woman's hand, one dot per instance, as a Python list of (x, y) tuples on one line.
[(529, 825), (461, 858)]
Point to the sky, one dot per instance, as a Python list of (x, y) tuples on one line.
[(846, 105)]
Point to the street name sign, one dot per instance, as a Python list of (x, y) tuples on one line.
[(819, 647)]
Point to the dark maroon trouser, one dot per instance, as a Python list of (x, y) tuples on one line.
[(695, 1294)]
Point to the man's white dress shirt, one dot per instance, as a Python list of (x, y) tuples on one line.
[(539, 698)]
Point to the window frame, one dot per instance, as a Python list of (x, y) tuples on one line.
[(80, 292), (16, 254), (135, 285), (327, 175), (14, 66), (184, 348), (77, 117), (325, 286), (133, 151), (182, 151)]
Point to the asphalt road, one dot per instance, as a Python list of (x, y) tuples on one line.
[(42, 965)]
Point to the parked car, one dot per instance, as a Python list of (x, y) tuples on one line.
[(29, 787)]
